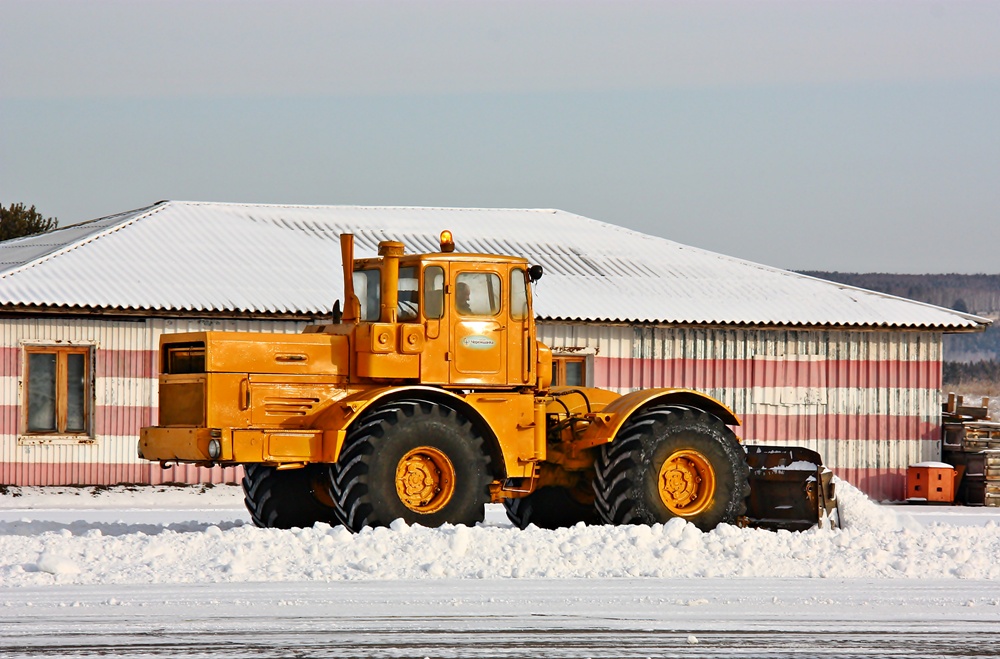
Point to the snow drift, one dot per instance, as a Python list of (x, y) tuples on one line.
[(875, 542)]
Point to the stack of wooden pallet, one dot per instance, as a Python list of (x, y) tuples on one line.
[(971, 443)]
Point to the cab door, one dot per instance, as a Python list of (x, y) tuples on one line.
[(477, 306), (434, 359)]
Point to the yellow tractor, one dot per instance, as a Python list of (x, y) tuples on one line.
[(429, 397)]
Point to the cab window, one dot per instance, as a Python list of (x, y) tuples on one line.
[(434, 292), (518, 294), (477, 294), (366, 287), (407, 307)]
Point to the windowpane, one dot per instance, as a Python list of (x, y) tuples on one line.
[(186, 358), (477, 294), (574, 373), (366, 287), (569, 371), (41, 392), (434, 292), (76, 392), (407, 307), (518, 295)]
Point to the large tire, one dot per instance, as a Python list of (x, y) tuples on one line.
[(412, 460), (550, 508), (287, 498), (671, 462)]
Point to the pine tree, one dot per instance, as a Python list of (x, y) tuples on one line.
[(17, 221)]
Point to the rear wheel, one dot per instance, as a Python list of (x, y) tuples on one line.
[(671, 462), (411, 460), (286, 498), (550, 508)]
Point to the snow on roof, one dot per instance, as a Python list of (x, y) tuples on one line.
[(275, 259)]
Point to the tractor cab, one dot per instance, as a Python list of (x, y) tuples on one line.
[(443, 318)]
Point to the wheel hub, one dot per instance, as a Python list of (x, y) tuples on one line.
[(425, 480), (686, 483)]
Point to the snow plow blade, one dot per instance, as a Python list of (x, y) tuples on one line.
[(790, 489)]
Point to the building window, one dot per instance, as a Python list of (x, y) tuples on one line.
[(569, 371), (58, 390)]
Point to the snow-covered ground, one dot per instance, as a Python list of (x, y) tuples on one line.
[(150, 571)]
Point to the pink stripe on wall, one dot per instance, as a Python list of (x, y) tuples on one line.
[(107, 363), (10, 362), (126, 363), (122, 421), (881, 484), (635, 372), (801, 427), (109, 420), (84, 473), (9, 419)]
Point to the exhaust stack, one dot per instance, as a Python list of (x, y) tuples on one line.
[(352, 305)]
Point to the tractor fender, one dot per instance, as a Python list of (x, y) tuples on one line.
[(337, 420), (606, 423)]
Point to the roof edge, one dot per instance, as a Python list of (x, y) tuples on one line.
[(859, 327), (368, 207), (25, 311), (980, 320), (131, 217)]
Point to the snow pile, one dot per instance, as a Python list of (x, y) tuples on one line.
[(861, 514), (875, 543)]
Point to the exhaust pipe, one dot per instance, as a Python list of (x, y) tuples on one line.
[(352, 305)]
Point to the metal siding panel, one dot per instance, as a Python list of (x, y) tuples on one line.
[(900, 424), (125, 398), (881, 389)]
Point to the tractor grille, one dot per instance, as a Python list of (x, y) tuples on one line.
[(289, 406)]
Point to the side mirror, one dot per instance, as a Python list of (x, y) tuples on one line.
[(535, 273)]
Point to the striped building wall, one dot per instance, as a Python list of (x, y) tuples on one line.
[(867, 401), (124, 377)]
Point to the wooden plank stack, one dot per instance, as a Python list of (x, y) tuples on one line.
[(971, 442)]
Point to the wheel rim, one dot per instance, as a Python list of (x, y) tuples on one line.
[(686, 483), (425, 480)]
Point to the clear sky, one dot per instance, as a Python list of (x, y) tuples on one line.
[(852, 136)]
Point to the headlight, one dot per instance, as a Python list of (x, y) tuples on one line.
[(214, 448)]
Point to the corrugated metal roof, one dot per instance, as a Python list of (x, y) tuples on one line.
[(256, 258)]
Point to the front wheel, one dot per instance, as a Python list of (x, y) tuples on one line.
[(411, 460), (671, 462)]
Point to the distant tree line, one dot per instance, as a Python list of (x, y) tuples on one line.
[(16, 221), (974, 347), (957, 373)]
